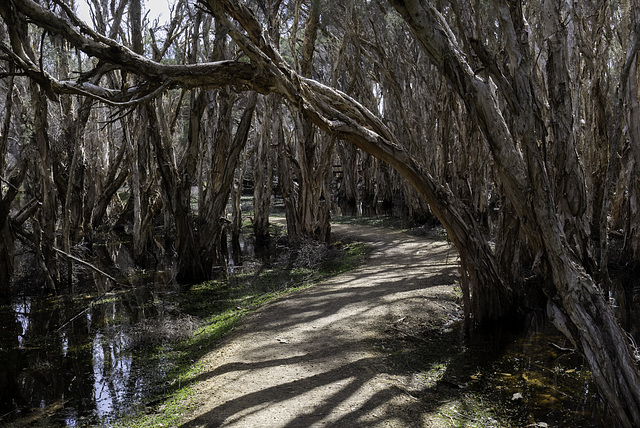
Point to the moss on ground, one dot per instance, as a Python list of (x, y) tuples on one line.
[(494, 379), (219, 305)]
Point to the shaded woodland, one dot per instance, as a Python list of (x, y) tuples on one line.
[(514, 124)]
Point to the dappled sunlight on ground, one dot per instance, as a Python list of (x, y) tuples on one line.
[(314, 357)]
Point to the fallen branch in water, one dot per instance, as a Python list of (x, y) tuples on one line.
[(85, 263), (75, 317), (560, 348), (97, 299), (90, 266)]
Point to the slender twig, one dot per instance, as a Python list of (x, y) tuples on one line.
[(410, 334), (9, 184), (85, 263), (560, 348), (76, 316)]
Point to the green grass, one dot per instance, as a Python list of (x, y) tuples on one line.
[(220, 305), (395, 223), (386, 221)]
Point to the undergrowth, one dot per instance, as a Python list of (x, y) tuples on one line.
[(218, 306)]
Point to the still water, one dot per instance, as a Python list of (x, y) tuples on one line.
[(89, 371), (77, 361), (83, 359), (538, 379), (84, 371)]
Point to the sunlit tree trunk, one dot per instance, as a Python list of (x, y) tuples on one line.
[(309, 202), (141, 171), (225, 156), (271, 135)]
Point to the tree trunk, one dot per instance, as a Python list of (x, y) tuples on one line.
[(503, 99), (141, 181), (576, 305), (309, 203), (632, 232), (45, 227), (140, 185), (6, 124), (115, 178), (6, 198), (347, 197), (598, 227), (340, 115), (272, 135), (263, 169), (221, 173), (236, 211), (314, 165), (569, 189), (7, 241)]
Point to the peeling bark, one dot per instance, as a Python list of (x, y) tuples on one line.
[(593, 326), (504, 101)]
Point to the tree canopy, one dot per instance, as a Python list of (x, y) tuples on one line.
[(513, 123)]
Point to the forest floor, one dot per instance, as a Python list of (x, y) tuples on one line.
[(339, 353)]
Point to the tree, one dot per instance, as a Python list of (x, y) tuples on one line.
[(576, 305), (502, 91), (306, 164)]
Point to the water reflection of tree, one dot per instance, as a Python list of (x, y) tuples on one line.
[(546, 151), (9, 360)]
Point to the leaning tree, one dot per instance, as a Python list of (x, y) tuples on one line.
[(515, 84)]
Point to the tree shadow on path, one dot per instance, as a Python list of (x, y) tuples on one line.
[(314, 357)]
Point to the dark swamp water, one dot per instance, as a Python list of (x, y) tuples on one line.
[(84, 372), (73, 360), (80, 361)]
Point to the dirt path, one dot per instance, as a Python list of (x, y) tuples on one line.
[(315, 358)]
